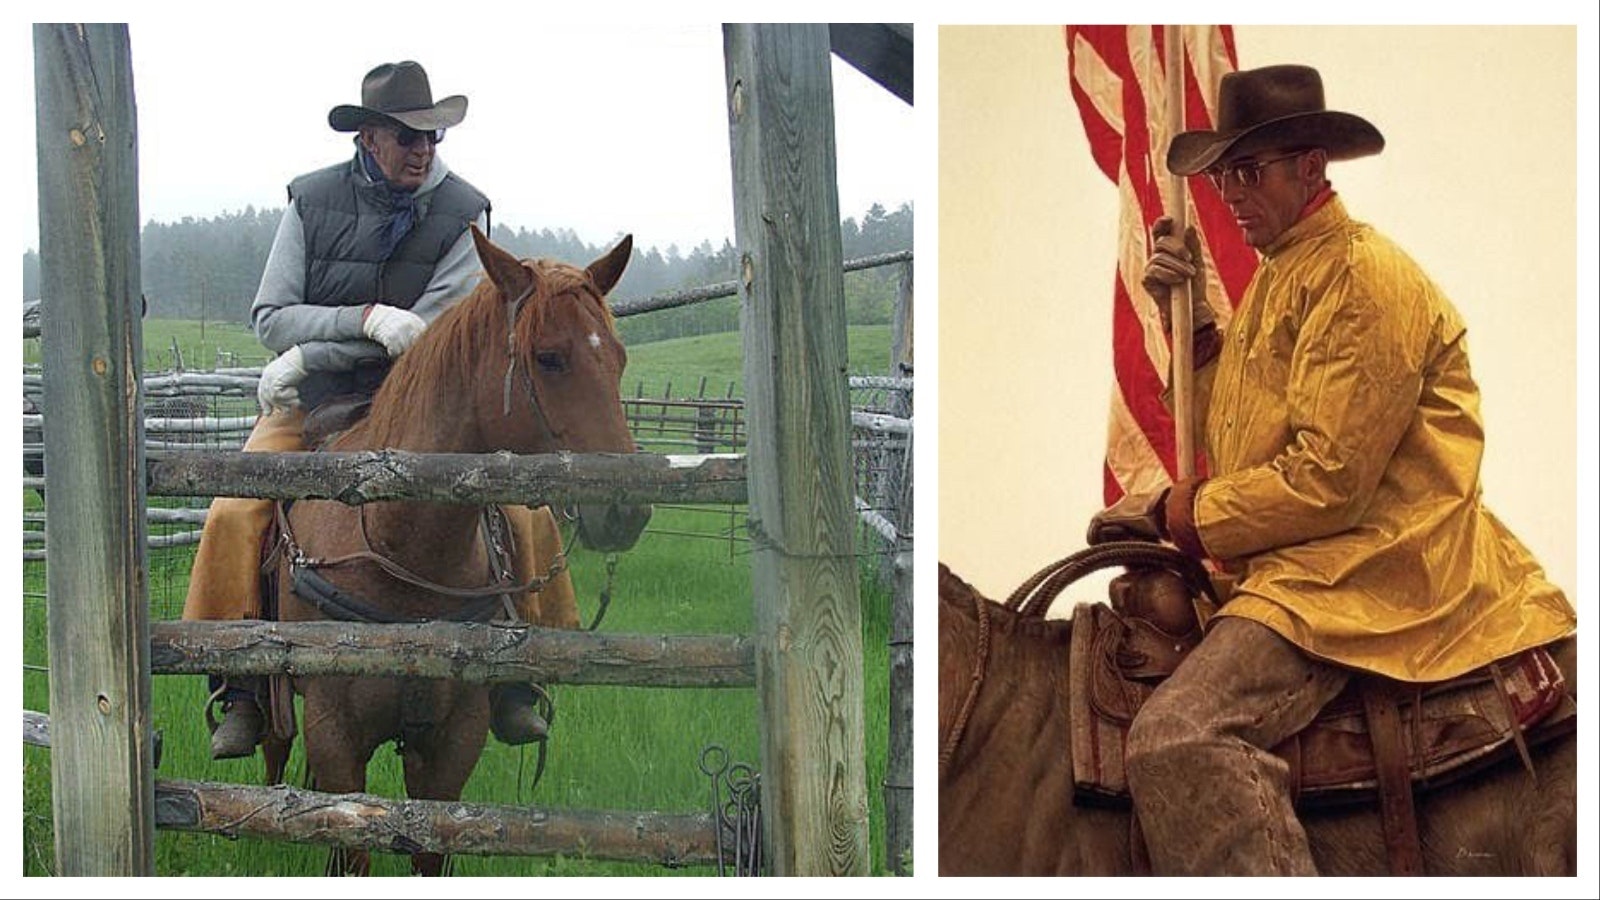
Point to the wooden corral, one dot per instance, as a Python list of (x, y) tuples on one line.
[(805, 656)]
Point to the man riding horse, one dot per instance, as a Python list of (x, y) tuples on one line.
[(369, 252), (1343, 437)]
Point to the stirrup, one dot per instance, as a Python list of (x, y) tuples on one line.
[(242, 727), (520, 713)]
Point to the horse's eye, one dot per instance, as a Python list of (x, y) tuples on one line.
[(551, 362)]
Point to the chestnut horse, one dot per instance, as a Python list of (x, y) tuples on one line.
[(529, 363), (1006, 784)]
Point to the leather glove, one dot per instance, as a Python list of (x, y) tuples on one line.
[(1136, 517), (1173, 262), (393, 327), (280, 380)]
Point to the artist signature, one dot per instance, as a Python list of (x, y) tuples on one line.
[(1464, 853)]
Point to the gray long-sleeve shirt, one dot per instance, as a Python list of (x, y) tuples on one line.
[(330, 337)]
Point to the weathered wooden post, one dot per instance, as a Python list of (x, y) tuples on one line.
[(901, 346), (103, 788), (808, 618), (898, 796)]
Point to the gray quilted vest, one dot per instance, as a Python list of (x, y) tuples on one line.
[(344, 217)]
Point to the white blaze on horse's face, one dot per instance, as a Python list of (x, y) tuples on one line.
[(594, 340)]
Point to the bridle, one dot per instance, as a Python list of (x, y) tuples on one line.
[(513, 309)]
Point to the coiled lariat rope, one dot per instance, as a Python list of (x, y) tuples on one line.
[(1032, 599)]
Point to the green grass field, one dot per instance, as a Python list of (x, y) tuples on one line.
[(679, 363), (618, 748), (201, 347)]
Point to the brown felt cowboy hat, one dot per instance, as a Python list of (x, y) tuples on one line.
[(1275, 107), (399, 91)]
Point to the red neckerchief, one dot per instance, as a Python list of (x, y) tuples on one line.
[(1318, 200)]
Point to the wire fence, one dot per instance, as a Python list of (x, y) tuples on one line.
[(216, 411), (190, 409)]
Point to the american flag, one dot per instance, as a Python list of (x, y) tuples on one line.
[(1118, 79)]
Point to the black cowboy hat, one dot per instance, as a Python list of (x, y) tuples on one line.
[(1272, 107), (399, 91)]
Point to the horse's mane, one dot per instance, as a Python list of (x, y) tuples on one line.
[(458, 338)]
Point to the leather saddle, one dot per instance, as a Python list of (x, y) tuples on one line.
[(332, 416), (1377, 743)]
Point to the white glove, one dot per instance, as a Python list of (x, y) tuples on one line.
[(279, 385), (393, 327)]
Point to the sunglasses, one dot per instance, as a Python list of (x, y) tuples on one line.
[(405, 137)]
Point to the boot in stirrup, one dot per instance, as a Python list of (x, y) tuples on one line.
[(514, 715), (241, 728)]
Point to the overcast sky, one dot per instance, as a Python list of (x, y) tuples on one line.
[(598, 129)]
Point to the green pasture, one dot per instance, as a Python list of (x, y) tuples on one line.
[(653, 368), (617, 748), (200, 345), (718, 358)]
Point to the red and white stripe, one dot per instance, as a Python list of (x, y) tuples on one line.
[(1118, 80)]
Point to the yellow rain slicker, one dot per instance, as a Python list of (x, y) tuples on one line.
[(1344, 442)]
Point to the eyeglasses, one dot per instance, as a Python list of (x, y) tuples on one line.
[(405, 137), (1247, 174)]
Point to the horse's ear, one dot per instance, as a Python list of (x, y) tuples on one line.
[(607, 270), (506, 271)]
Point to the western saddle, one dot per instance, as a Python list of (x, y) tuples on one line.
[(1379, 742)]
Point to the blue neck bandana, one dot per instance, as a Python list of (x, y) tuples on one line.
[(402, 204)]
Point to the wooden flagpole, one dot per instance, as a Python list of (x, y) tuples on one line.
[(1182, 312)]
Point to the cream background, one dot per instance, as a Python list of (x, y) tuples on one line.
[(1477, 182)]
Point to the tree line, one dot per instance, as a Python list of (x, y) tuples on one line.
[(208, 269)]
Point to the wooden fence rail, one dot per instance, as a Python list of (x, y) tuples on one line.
[(237, 381), (366, 821), (35, 728), (698, 423), (555, 478), (468, 652), (623, 308), (880, 423)]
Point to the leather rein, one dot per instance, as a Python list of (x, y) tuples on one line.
[(485, 601)]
